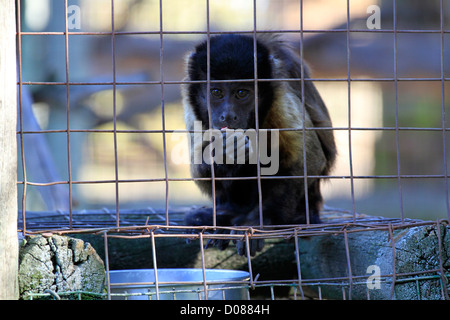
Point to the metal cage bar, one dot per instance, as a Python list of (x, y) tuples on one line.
[(168, 227)]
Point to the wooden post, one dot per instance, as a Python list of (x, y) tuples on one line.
[(8, 153)]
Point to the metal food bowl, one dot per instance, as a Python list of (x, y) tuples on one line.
[(179, 284)]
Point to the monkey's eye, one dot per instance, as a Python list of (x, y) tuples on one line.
[(217, 93), (242, 93)]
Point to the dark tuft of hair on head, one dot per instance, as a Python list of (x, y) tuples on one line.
[(231, 57)]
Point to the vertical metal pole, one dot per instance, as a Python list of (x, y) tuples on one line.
[(255, 76), (116, 162), (208, 104), (69, 161), (397, 131), (155, 265), (297, 257), (202, 251), (20, 120), (349, 266), (108, 283), (302, 86), (349, 97), (163, 117)]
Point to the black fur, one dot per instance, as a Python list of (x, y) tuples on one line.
[(283, 200)]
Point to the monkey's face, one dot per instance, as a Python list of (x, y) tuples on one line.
[(232, 105)]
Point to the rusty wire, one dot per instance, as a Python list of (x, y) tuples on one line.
[(119, 226)]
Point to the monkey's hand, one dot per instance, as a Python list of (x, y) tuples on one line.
[(237, 147), (254, 245), (203, 216)]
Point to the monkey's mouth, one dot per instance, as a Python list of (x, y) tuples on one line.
[(225, 128), (228, 128), (222, 128)]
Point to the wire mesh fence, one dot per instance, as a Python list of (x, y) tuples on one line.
[(92, 177)]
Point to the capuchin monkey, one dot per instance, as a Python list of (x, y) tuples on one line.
[(221, 107)]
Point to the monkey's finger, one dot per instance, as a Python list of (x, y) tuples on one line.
[(218, 243), (221, 244), (241, 248), (208, 243), (259, 244), (254, 247)]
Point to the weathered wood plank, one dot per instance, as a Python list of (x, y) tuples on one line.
[(8, 153)]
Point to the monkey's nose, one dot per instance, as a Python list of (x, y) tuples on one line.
[(228, 118)]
